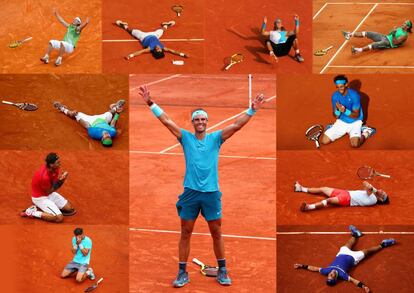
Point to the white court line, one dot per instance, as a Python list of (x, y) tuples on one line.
[(320, 10), (164, 40), (370, 3), (156, 81), (370, 66), (342, 233), (215, 125), (203, 234), (344, 43), (220, 156)]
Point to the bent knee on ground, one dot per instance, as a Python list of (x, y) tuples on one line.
[(325, 139), (355, 143), (58, 219)]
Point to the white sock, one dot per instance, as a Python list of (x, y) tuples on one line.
[(46, 56), (59, 58), (311, 207), (304, 189), (37, 214), (364, 34), (297, 51), (359, 50), (66, 111), (165, 27)]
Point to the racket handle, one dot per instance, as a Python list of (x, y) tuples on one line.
[(178, 14), (198, 262), (27, 39), (5, 102), (100, 280), (385, 176), (317, 143), (228, 66)]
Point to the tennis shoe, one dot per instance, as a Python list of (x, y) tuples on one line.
[(181, 280), (297, 187), (347, 35), (90, 274), (58, 106), (303, 207), (45, 59), (58, 62), (222, 277), (117, 105), (121, 24), (355, 232), (353, 50), (387, 242), (299, 58), (168, 23), (369, 131), (29, 212)]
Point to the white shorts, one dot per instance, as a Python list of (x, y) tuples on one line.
[(340, 128), (91, 118), (68, 46), (51, 203), (357, 255), (140, 35)]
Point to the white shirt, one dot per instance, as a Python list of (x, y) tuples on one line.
[(361, 198), (278, 37)]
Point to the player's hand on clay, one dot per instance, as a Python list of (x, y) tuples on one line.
[(271, 53), (145, 93), (297, 266), (258, 101), (88, 19)]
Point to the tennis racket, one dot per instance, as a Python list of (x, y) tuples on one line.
[(16, 44), (177, 9), (206, 270), (313, 133), (367, 172), (23, 106), (322, 52), (234, 59), (94, 286)]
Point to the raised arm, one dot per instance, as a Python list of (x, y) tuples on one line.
[(296, 30), (159, 113), (359, 284), (263, 30), (59, 18), (83, 25), (306, 267), (137, 53), (243, 118), (175, 52)]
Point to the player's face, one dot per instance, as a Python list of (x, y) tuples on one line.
[(76, 22), (342, 88), (332, 275), (278, 24), (200, 123), (158, 49), (55, 165)]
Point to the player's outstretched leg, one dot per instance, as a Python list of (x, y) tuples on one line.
[(123, 25), (62, 108), (45, 58), (385, 243)]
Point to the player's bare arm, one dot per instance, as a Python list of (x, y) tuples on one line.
[(359, 284), (182, 54), (306, 267), (354, 113), (263, 30), (137, 53), (243, 119), (83, 25), (60, 18), (161, 115)]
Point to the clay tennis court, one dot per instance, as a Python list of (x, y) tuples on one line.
[(385, 100), (338, 170), (381, 272), (45, 250), (186, 36), (96, 186), (157, 169), (330, 17), (31, 18), (47, 128)]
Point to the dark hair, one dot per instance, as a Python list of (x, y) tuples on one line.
[(51, 158), (158, 54), (78, 231), (340, 77)]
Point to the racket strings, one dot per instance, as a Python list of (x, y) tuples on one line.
[(314, 132), (237, 58), (365, 172)]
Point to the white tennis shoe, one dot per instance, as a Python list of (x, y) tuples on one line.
[(297, 187)]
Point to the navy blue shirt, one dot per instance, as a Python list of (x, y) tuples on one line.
[(342, 263)]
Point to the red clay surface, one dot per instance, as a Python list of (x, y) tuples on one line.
[(24, 18), (338, 169), (385, 101), (234, 27), (48, 128), (97, 185), (45, 250), (249, 208), (333, 18), (154, 267), (381, 272), (9, 270), (147, 15)]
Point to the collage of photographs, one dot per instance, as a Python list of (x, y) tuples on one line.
[(207, 146)]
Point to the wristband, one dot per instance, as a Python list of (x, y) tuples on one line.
[(116, 117), (156, 110), (81, 246), (337, 112), (347, 112), (360, 284), (182, 54), (297, 22), (263, 26), (75, 247), (250, 111), (374, 190)]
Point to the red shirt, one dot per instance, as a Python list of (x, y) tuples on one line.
[(42, 181)]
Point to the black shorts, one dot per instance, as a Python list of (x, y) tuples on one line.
[(284, 48)]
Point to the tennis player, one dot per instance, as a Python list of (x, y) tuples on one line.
[(82, 249), (396, 38), (368, 196), (150, 40), (281, 41), (45, 182), (345, 260), (100, 127), (70, 39), (346, 107), (201, 188)]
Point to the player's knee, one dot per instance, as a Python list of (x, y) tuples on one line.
[(79, 278), (354, 143), (59, 219), (324, 139), (63, 275)]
